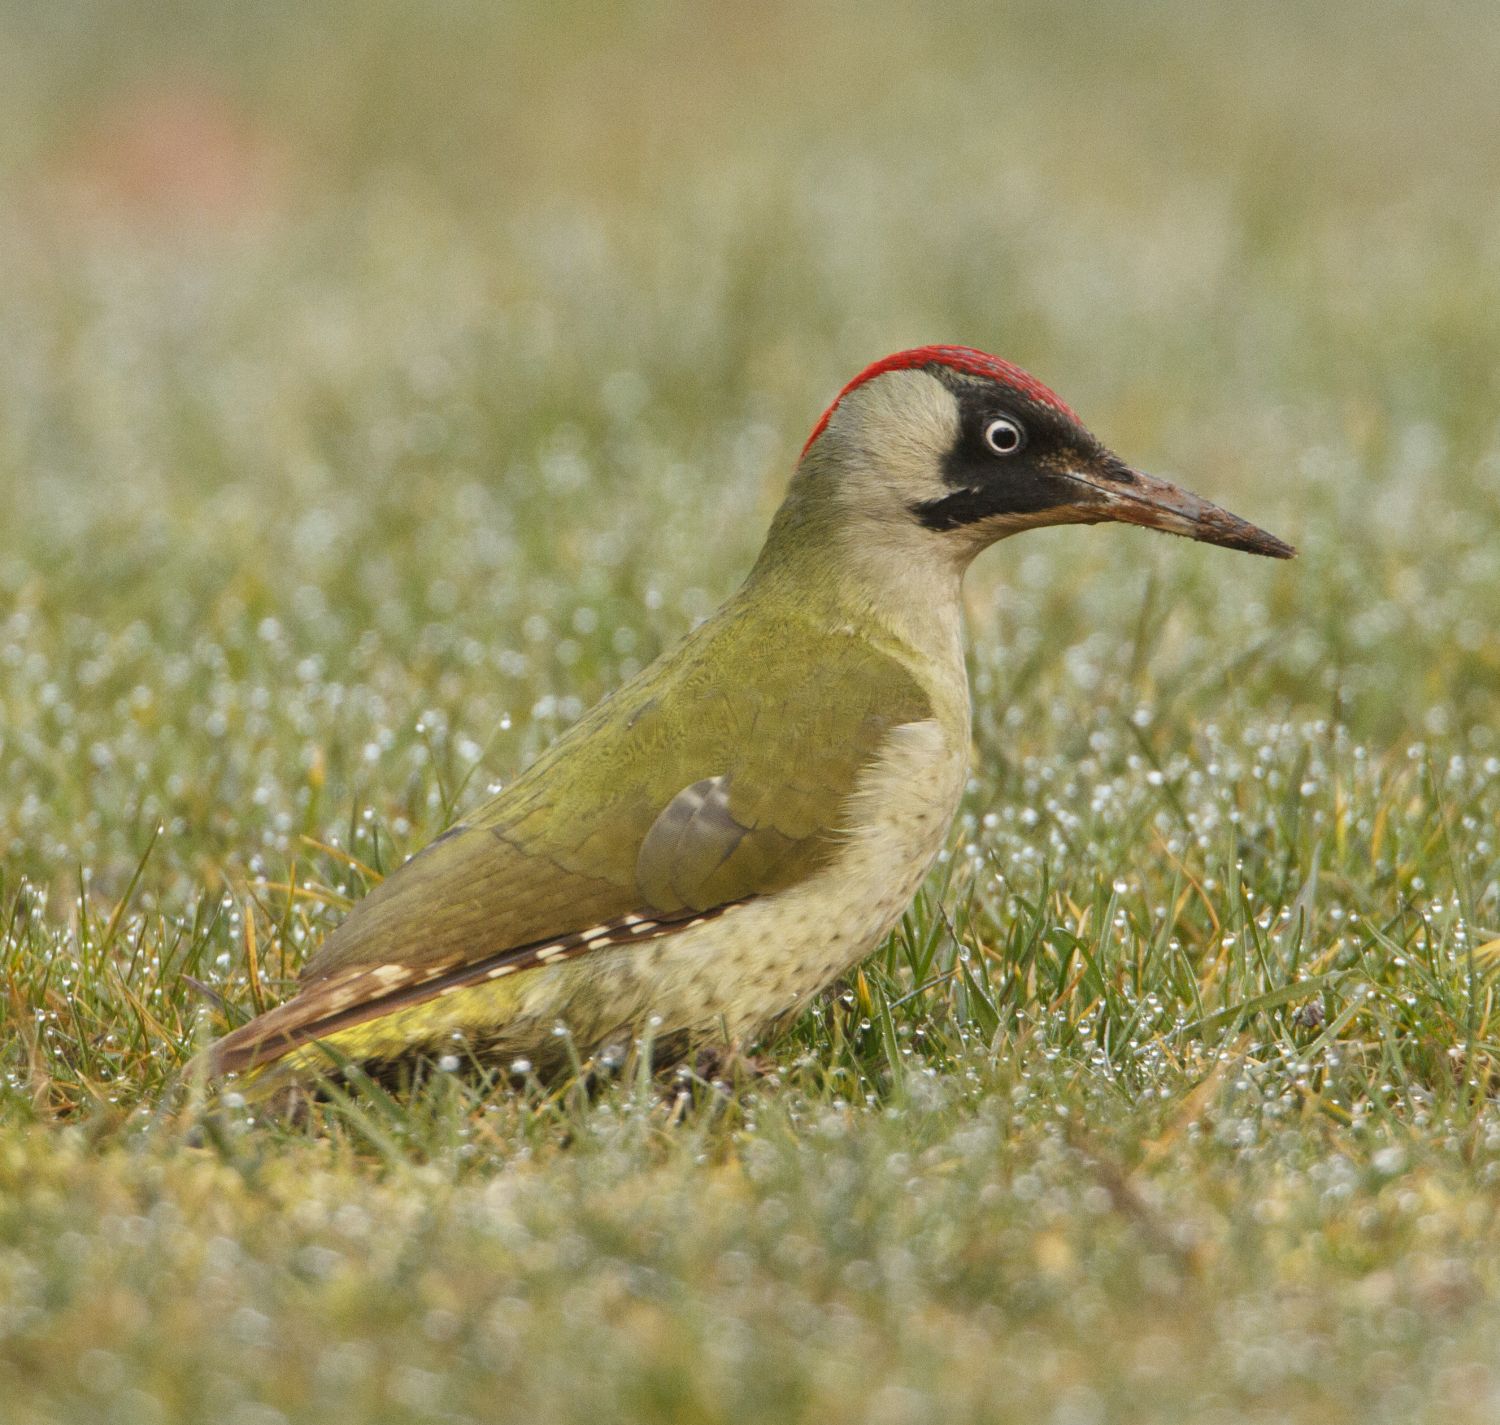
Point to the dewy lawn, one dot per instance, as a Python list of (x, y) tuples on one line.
[(376, 393)]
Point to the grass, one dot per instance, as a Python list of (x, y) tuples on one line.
[(379, 388)]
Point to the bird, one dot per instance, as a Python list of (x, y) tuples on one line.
[(732, 830)]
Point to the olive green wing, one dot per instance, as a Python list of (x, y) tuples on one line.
[(673, 800)]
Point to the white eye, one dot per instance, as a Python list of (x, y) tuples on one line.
[(1003, 436)]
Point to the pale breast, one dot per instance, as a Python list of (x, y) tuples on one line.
[(762, 961), (757, 964)]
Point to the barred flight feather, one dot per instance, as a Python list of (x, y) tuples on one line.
[(340, 1003)]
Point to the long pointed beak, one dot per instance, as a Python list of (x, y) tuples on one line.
[(1137, 498)]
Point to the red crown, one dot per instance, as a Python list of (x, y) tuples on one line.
[(959, 358)]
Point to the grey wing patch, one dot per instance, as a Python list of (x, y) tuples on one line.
[(692, 836)]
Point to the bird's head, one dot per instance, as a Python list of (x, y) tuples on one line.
[(960, 448)]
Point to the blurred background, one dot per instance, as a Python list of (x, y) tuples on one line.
[(367, 365), (381, 383)]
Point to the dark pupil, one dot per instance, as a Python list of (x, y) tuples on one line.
[(1003, 436)]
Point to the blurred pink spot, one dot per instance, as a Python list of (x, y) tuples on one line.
[(175, 152)]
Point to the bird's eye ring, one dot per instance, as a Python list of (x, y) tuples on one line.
[(1004, 436)]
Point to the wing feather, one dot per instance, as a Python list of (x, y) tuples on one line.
[(665, 803)]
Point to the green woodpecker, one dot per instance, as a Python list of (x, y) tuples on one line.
[(734, 828)]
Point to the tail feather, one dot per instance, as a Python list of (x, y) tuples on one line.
[(342, 1001)]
